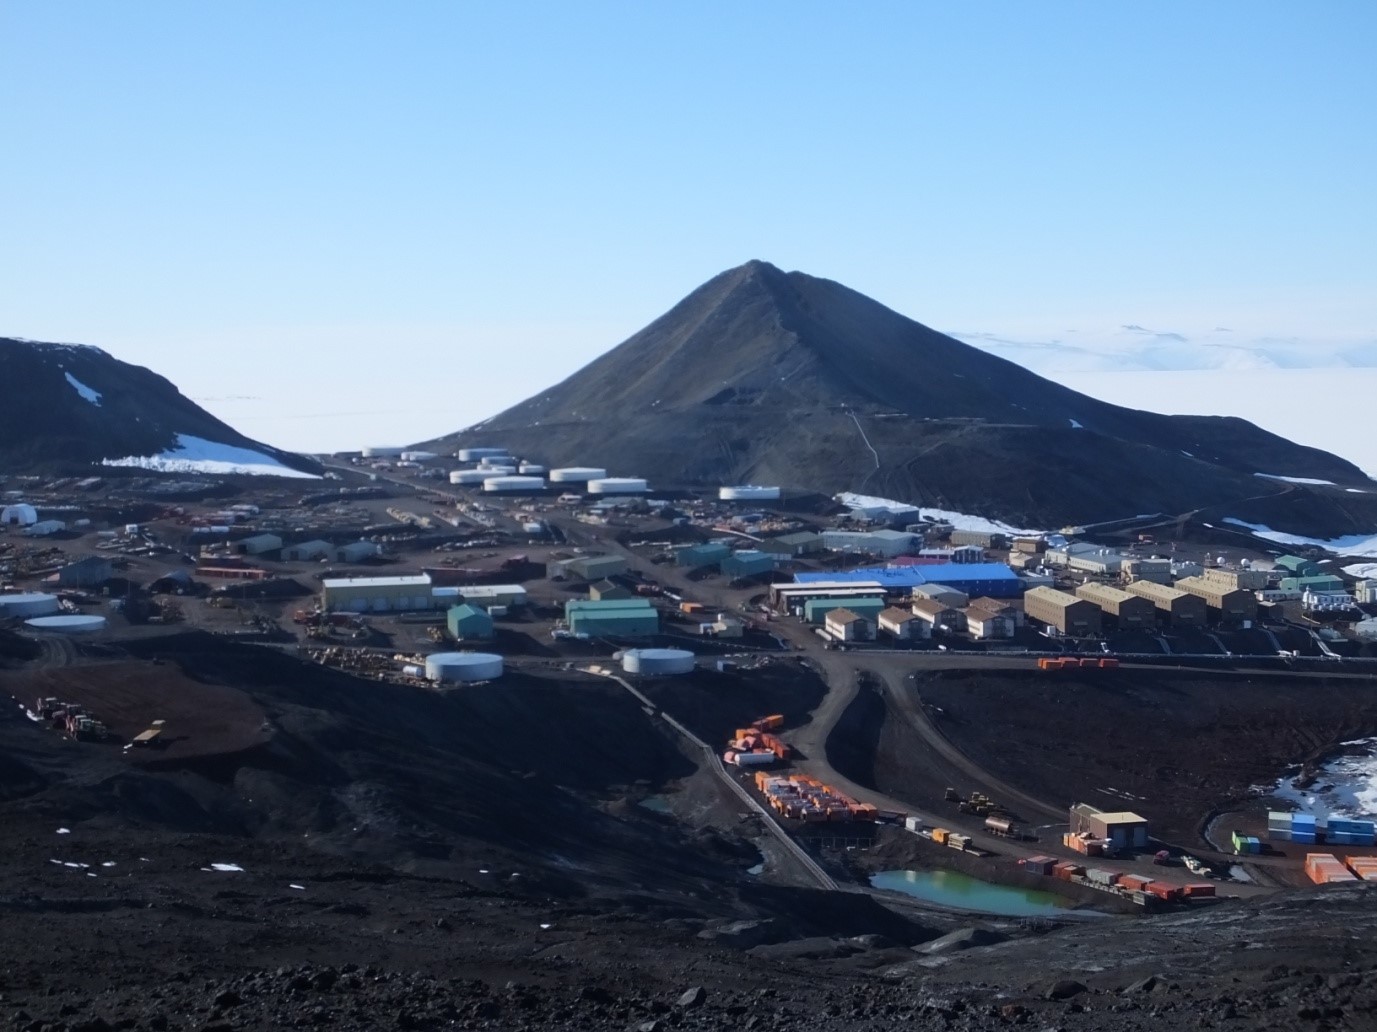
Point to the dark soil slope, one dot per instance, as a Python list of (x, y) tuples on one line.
[(46, 422), (773, 377)]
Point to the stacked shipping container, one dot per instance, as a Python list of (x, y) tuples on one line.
[(1326, 869), (1365, 867), (1307, 828), (807, 799)]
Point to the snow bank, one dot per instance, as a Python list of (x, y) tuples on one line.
[(1361, 570), (1344, 787), (959, 520), (197, 455), (1296, 480), (92, 396), (1354, 544)]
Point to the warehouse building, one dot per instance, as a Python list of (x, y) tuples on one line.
[(980, 538), (748, 562), (993, 579), (608, 591), (624, 618), (903, 624), (1029, 545), (791, 546), (356, 551), (1121, 829), (1239, 580), (941, 593), (1067, 614), (308, 552), (1158, 571), (815, 610), (1178, 608), (1185, 568), (790, 598), (1130, 610), (488, 595), (1322, 582), (467, 622), (938, 615), (20, 514), (883, 543), (376, 594), (90, 572), (987, 626), (699, 557), (1297, 566), (844, 625), (999, 607), (1231, 604), (1085, 557), (591, 567)]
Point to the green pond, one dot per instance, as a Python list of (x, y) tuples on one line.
[(953, 889)]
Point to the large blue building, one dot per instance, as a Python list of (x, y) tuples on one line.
[(992, 580)]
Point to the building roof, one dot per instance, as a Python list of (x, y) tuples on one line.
[(843, 616), (930, 607), (316, 543), (896, 615), (613, 614), (1120, 817), (1157, 592), (901, 577), (992, 605), (412, 581), (466, 610), (1105, 593), (1054, 597)]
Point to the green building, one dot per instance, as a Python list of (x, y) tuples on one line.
[(1297, 566), (1321, 582), (697, 556), (467, 621), (615, 618), (748, 563), (814, 610)]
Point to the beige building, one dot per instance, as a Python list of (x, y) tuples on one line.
[(1123, 829), (985, 625), (903, 624), (1181, 608), (1237, 580), (1158, 571), (937, 614), (378, 594), (844, 625), (1070, 615), (1233, 604), (999, 607), (1131, 611)]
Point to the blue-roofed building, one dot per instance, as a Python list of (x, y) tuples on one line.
[(992, 580)]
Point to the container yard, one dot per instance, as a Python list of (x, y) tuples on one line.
[(804, 798)]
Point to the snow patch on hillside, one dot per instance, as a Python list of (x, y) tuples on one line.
[(198, 455), (86, 392), (1353, 544), (1362, 571), (1296, 480), (1344, 787), (959, 520)]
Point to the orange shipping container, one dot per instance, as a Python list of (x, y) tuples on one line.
[(940, 834), (1197, 889), (1134, 883)]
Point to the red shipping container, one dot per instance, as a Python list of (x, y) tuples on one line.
[(1196, 889)]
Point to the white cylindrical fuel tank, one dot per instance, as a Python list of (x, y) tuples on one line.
[(747, 493), (418, 456), (463, 667), (657, 662), (474, 454), (29, 604), (530, 468), (618, 485), (576, 474), (382, 451), (468, 476), (514, 484), (75, 624), (496, 469)]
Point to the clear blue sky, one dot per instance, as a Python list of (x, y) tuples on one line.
[(347, 223)]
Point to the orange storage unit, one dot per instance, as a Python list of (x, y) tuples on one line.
[(1109, 664), (1163, 891), (940, 834), (1325, 869), (771, 722), (1134, 883), (1196, 890)]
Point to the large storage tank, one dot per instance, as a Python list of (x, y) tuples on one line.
[(474, 454), (75, 624), (469, 476), (657, 662), (576, 474), (618, 485), (418, 456), (747, 493), (495, 469), (463, 667), (514, 484), (382, 451), (530, 468), (28, 604)]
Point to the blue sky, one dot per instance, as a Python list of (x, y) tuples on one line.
[(344, 223)]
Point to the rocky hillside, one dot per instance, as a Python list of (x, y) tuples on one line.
[(772, 377), (69, 406)]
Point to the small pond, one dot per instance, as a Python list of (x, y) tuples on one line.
[(953, 889)]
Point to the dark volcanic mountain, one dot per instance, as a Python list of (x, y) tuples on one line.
[(772, 377), (67, 406)]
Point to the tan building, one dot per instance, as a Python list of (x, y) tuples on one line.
[(1232, 604), (1130, 610), (844, 625), (1070, 615), (1156, 570), (903, 624), (1181, 608), (985, 625), (1237, 580), (999, 607), (1030, 545), (937, 614), (980, 538), (1123, 829)]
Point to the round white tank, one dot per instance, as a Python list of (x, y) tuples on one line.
[(474, 454), (514, 484), (418, 456), (382, 451), (28, 604), (747, 493), (618, 485), (67, 624), (527, 468), (463, 667), (657, 662), (496, 469), (468, 476), (576, 474)]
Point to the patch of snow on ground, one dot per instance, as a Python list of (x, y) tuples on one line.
[(1344, 787), (959, 520), (225, 867), (1354, 544), (1296, 480), (197, 455), (92, 396), (1076, 426), (1361, 570)]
